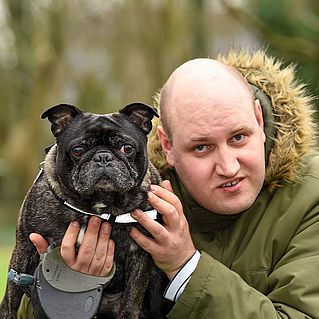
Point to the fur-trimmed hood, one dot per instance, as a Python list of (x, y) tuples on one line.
[(290, 127)]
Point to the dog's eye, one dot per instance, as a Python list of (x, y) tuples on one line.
[(78, 151), (127, 149)]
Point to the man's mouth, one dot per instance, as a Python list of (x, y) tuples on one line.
[(232, 183)]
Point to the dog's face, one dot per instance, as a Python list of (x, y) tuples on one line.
[(101, 153)]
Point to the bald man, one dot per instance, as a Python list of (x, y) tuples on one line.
[(214, 145), (239, 237)]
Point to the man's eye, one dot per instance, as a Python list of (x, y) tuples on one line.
[(238, 138), (78, 151), (201, 148), (127, 149)]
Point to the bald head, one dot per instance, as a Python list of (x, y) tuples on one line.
[(200, 82)]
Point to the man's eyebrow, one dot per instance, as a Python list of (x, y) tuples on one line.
[(198, 138), (237, 130)]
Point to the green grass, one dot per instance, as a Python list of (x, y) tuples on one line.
[(5, 254), (7, 240)]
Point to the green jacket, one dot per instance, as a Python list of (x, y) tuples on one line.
[(263, 263)]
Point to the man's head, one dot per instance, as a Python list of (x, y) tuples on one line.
[(213, 135)]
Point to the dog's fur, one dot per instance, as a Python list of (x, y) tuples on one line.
[(98, 164)]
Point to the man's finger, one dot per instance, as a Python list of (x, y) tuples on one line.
[(157, 230), (167, 196), (167, 185), (169, 212), (88, 246), (143, 241), (68, 243), (101, 250), (109, 260), (39, 242)]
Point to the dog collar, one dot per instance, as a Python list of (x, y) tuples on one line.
[(120, 219)]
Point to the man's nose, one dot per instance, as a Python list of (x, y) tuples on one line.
[(227, 163)]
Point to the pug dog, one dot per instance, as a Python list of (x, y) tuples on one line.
[(99, 164)]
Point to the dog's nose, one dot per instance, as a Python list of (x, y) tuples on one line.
[(103, 157)]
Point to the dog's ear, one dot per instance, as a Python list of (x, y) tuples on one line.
[(60, 116), (140, 114)]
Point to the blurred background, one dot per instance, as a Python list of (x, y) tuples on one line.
[(102, 54)]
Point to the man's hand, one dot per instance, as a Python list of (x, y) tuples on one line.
[(172, 245), (95, 256)]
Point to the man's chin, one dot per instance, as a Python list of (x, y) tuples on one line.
[(228, 208)]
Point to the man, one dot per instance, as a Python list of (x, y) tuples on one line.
[(241, 220)]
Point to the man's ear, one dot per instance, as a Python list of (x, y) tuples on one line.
[(60, 117), (259, 116), (167, 146)]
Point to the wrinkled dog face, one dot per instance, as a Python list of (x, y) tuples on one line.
[(104, 157), (101, 153)]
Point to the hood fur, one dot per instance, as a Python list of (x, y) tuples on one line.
[(294, 138)]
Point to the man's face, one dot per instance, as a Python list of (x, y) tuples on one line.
[(217, 148)]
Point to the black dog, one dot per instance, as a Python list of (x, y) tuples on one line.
[(99, 164)]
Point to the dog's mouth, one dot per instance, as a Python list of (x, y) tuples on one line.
[(113, 183), (105, 184)]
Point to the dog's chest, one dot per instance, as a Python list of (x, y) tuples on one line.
[(123, 242)]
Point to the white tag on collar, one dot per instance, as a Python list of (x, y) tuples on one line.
[(127, 218), (120, 219)]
